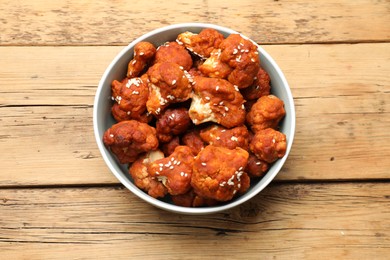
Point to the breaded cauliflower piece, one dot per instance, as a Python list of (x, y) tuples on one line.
[(191, 199), (173, 52), (261, 86), (130, 96), (173, 121), (201, 44), (193, 141), (168, 84), (237, 59), (128, 139), (141, 177), (229, 138), (242, 56), (216, 100), (266, 113), (143, 54), (174, 171), (268, 145), (256, 167), (217, 172)]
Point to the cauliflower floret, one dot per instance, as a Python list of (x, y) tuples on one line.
[(130, 96), (266, 113), (143, 55), (168, 84), (201, 44), (173, 52), (173, 121), (261, 86), (256, 167), (141, 177), (229, 138), (191, 199), (216, 100), (268, 145), (174, 171), (218, 172), (128, 139)]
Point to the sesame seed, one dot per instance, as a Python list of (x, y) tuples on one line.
[(182, 174), (241, 168), (238, 185), (241, 44), (128, 113), (185, 174), (158, 111), (171, 167), (256, 52), (203, 164), (253, 60), (217, 88), (235, 51), (234, 192), (233, 138), (181, 67), (172, 159), (255, 78), (207, 98), (236, 88), (111, 135), (157, 173), (224, 130), (242, 50), (178, 163), (273, 140), (174, 82), (134, 62), (141, 53), (112, 98), (161, 168), (239, 47), (221, 103), (258, 163), (135, 92), (230, 181), (226, 109), (242, 106)]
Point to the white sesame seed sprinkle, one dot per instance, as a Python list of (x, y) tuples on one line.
[(182, 174), (185, 175), (238, 185), (128, 113), (273, 140), (111, 135), (253, 60), (207, 98), (221, 103), (171, 167), (135, 92), (203, 164), (217, 88), (234, 192), (235, 51), (174, 82), (233, 138), (141, 53), (258, 163), (223, 131), (226, 109), (134, 62)]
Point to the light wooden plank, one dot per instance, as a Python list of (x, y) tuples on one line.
[(285, 221), (119, 22)]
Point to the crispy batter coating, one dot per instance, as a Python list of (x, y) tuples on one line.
[(256, 167), (191, 199), (229, 138), (216, 100), (130, 96), (141, 177), (217, 172), (193, 141), (214, 67), (266, 113), (168, 84), (169, 148), (268, 145), (128, 139), (242, 56), (143, 54), (173, 52), (201, 44), (261, 86), (174, 171), (173, 121)]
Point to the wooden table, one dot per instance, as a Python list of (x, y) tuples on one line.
[(58, 199)]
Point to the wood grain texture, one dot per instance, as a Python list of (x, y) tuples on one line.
[(46, 125), (285, 221), (119, 22)]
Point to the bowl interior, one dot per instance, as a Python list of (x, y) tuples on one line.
[(103, 119)]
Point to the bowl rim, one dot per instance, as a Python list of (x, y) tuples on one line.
[(164, 205)]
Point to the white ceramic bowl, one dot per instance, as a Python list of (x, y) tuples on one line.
[(102, 118)]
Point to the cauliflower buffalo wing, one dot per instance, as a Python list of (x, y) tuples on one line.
[(191, 199), (201, 44), (229, 138), (265, 113), (256, 167), (143, 180), (175, 53), (172, 122), (236, 59), (143, 54), (174, 171), (167, 84), (218, 172), (259, 88), (216, 100), (128, 139), (131, 96), (268, 145)]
